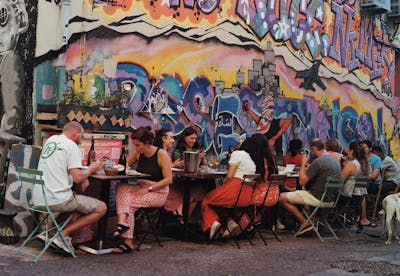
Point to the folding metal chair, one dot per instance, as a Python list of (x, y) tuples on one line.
[(261, 211), (379, 196), (151, 215), (45, 220), (236, 212), (317, 216), (345, 212)]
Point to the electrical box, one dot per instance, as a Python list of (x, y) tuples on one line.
[(395, 9), (375, 6)]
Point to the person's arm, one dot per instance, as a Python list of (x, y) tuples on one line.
[(165, 163), (303, 178), (348, 170), (132, 157), (79, 175), (374, 175), (231, 172)]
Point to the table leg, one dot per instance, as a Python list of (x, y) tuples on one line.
[(185, 209), (102, 223)]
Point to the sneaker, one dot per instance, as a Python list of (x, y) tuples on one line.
[(60, 243), (306, 229), (214, 229), (42, 237), (280, 225), (233, 227)]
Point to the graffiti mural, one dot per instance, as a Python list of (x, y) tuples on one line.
[(287, 69), (13, 23)]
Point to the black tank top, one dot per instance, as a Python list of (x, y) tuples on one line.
[(149, 165)]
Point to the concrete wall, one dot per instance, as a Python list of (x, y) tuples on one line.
[(215, 64)]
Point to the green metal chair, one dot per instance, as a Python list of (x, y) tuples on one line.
[(45, 220), (317, 216)]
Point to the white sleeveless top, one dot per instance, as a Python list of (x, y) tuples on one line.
[(358, 191)]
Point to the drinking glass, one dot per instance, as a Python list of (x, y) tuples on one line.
[(92, 157)]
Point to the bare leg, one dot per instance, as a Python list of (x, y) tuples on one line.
[(85, 220), (292, 208), (364, 220), (122, 218)]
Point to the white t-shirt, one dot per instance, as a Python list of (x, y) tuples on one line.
[(244, 162), (59, 155)]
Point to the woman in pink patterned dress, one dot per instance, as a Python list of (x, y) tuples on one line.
[(147, 193)]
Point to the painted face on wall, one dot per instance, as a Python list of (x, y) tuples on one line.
[(13, 22)]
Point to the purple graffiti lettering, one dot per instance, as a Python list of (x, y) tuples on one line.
[(342, 36), (353, 62), (258, 21), (365, 38), (206, 6)]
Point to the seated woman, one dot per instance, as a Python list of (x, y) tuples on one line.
[(260, 152), (147, 193), (240, 163), (356, 166), (187, 141), (294, 156)]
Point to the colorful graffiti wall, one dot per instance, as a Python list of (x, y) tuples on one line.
[(17, 47), (289, 69)]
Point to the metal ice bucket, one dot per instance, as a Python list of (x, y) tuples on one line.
[(192, 161)]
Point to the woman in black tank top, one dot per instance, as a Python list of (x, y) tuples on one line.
[(151, 192)]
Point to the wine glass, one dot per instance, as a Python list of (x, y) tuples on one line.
[(104, 160)]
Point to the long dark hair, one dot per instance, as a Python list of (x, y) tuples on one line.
[(361, 156), (258, 148), (158, 142), (144, 135), (181, 144)]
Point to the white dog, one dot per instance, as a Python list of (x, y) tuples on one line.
[(391, 209)]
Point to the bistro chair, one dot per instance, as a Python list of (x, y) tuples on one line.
[(151, 216), (261, 212), (47, 226), (236, 212), (348, 209), (317, 216)]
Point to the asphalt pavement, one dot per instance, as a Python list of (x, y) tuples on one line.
[(352, 254)]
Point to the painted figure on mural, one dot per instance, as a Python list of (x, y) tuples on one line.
[(13, 22), (272, 128)]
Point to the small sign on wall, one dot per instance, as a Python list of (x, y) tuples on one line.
[(103, 147)]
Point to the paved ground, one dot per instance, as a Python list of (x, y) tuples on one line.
[(355, 254)]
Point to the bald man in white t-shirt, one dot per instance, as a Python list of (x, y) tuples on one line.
[(61, 164)]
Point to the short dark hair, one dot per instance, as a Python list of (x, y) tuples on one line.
[(317, 143), (333, 145), (144, 135), (159, 135), (368, 143), (295, 146), (377, 149)]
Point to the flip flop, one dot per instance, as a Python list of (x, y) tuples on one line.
[(119, 231), (371, 224), (125, 248)]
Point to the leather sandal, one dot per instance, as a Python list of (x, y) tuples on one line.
[(125, 248), (119, 231)]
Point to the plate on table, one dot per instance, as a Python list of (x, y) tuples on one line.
[(132, 172), (177, 170), (217, 172)]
